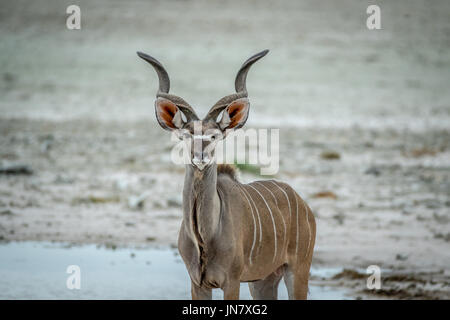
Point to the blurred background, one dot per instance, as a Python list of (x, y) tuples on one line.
[(363, 116)]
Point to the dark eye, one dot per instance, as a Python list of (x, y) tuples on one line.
[(216, 136)]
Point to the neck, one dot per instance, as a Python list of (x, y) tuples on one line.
[(201, 203)]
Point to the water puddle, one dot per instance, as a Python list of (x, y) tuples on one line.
[(37, 270)]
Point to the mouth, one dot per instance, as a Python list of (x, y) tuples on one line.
[(201, 164)]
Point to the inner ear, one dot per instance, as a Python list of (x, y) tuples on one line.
[(235, 114), (168, 114)]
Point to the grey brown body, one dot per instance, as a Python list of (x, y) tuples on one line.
[(233, 232), (228, 237)]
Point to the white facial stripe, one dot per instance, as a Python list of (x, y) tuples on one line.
[(202, 137), (273, 223), (279, 211), (254, 227)]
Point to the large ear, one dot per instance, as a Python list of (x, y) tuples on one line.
[(168, 114), (235, 114)]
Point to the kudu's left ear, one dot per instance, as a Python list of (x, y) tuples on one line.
[(235, 114), (168, 114)]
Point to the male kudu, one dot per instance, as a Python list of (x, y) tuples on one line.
[(233, 232)]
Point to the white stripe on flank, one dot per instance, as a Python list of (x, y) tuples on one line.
[(279, 211), (257, 214), (273, 222), (296, 213), (254, 227), (273, 196), (309, 227), (287, 198)]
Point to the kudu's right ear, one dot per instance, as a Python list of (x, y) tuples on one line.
[(168, 114)]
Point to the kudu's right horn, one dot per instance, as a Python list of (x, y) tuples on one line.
[(164, 87)]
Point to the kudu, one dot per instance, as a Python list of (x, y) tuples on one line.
[(233, 232)]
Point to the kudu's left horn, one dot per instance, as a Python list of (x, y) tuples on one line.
[(239, 84)]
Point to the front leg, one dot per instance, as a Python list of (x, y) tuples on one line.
[(199, 293), (231, 290)]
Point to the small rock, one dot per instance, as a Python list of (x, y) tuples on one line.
[(63, 179), (325, 194), (401, 257), (137, 202), (16, 169), (445, 237), (46, 145), (424, 151), (373, 170), (6, 212), (95, 199), (174, 202), (110, 245), (330, 155), (157, 204), (442, 219), (9, 77), (340, 218), (432, 204)]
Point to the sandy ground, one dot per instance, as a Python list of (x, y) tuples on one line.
[(76, 107)]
